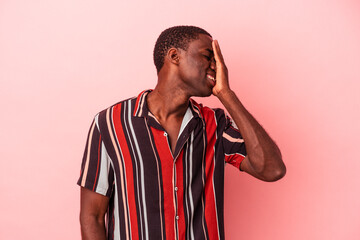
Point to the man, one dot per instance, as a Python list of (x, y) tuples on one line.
[(155, 164)]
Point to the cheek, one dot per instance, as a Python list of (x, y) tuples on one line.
[(197, 66), (190, 69)]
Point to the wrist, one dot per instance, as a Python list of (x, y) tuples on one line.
[(225, 94)]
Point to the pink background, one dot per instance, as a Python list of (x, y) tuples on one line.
[(294, 64)]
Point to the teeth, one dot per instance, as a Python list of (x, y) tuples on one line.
[(209, 76)]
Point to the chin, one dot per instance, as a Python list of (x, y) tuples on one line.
[(204, 94), (201, 92)]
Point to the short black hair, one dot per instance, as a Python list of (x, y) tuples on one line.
[(177, 37)]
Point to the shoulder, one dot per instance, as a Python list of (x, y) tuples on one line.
[(101, 117)]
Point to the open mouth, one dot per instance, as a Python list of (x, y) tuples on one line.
[(211, 78)]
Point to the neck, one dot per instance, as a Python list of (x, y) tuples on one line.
[(167, 102)]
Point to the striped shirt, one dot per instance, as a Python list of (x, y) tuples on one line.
[(155, 194)]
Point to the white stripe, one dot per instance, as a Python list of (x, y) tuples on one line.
[(141, 172), (186, 119), (189, 186), (187, 192), (103, 182), (116, 210)]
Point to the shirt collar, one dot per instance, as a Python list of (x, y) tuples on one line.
[(141, 109)]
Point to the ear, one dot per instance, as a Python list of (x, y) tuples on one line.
[(173, 55)]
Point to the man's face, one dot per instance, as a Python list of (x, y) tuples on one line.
[(197, 67)]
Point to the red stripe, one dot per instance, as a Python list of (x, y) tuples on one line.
[(128, 170), (98, 163), (180, 196), (234, 159), (210, 205), (167, 177)]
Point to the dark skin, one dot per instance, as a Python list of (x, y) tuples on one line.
[(93, 207), (186, 74)]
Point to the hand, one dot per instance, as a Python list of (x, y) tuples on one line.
[(222, 80)]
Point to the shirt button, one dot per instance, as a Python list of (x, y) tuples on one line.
[(176, 188), (165, 134), (177, 217)]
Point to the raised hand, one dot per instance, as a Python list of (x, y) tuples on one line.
[(222, 80)]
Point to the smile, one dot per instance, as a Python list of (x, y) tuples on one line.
[(211, 77)]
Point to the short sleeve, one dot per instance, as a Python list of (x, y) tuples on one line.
[(96, 170), (233, 143)]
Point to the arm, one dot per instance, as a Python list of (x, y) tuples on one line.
[(93, 208), (264, 159)]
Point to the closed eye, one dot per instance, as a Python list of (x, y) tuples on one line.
[(207, 57)]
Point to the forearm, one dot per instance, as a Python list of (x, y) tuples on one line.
[(263, 154), (92, 228)]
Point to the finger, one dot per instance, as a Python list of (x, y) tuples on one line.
[(218, 50), (216, 54)]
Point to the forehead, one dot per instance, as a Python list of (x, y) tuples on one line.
[(203, 42)]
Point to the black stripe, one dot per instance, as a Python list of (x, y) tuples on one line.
[(219, 171), (198, 181)]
